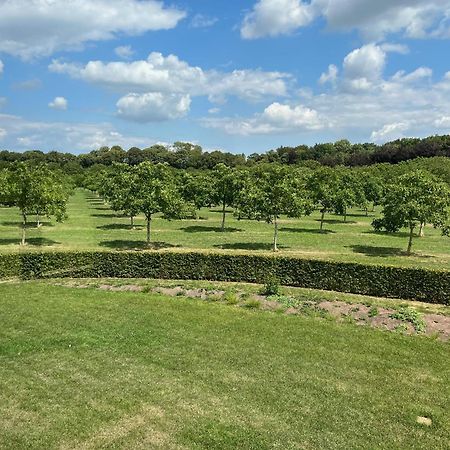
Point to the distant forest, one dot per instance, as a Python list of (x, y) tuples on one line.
[(182, 155)]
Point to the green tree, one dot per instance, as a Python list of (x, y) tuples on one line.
[(323, 186), (226, 186), (155, 191), (349, 192), (35, 189), (196, 189), (272, 191), (415, 198)]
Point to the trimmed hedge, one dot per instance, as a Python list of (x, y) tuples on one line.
[(384, 281)]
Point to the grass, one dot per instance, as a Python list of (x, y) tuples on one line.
[(92, 226), (82, 368)]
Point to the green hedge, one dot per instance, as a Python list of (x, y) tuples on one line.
[(384, 281)]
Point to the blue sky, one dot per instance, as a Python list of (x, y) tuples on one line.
[(239, 76)]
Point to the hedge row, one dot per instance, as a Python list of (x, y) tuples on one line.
[(419, 284)]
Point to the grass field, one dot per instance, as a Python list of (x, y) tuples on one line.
[(92, 226), (82, 368)]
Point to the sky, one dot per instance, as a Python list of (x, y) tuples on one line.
[(241, 76)]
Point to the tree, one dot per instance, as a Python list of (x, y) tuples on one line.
[(415, 198), (196, 189), (155, 192), (226, 185), (34, 189), (323, 185), (349, 192), (272, 191), (117, 189)]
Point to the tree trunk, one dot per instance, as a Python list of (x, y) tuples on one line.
[(38, 223), (321, 220), (421, 229), (132, 222), (149, 227), (24, 225), (411, 234), (223, 217), (275, 234), (367, 211), (345, 214)]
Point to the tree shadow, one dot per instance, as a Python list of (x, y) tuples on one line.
[(110, 215), (219, 211), (307, 230), (248, 246), (36, 242), (383, 252), (205, 229), (120, 244), (398, 234), (29, 224), (119, 226), (336, 221)]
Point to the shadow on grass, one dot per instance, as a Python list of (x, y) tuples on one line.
[(306, 230), (36, 242), (119, 226), (384, 252), (136, 245), (219, 211), (248, 246), (201, 229), (29, 224), (336, 221), (397, 234), (109, 215)]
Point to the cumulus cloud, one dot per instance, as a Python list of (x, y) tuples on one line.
[(1, 66), (59, 103), (275, 17), (22, 134), (124, 51), (374, 19), (153, 106), (330, 76), (34, 28), (276, 118), (362, 102), (169, 74)]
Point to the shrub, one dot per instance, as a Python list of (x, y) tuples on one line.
[(252, 303), (271, 286), (230, 298), (384, 281)]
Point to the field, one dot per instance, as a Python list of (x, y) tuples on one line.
[(83, 368), (92, 226)]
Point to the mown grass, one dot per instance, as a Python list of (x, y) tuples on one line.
[(82, 368), (92, 226)]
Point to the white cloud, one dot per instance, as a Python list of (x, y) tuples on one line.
[(276, 118), (34, 28), (374, 19), (170, 75), (28, 85), (124, 51), (153, 106), (3, 133), (59, 103), (1, 66), (389, 132), (363, 102), (22, 134), (275, 17), (330, 75), (202, 21)]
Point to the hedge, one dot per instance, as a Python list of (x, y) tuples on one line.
[(384, 281)]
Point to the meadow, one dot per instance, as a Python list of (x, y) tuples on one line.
[(91, 225), (83, 368)]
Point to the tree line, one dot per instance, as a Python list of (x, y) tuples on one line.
[(184, 155), (266, 192)]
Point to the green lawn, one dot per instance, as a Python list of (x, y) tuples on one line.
[(91, 225), (82, 368)]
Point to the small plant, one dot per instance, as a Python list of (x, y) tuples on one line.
[(252, 303), (271, 286), (407, 314), (373, 311), (288, 302), (230, 298), (401, 329)]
